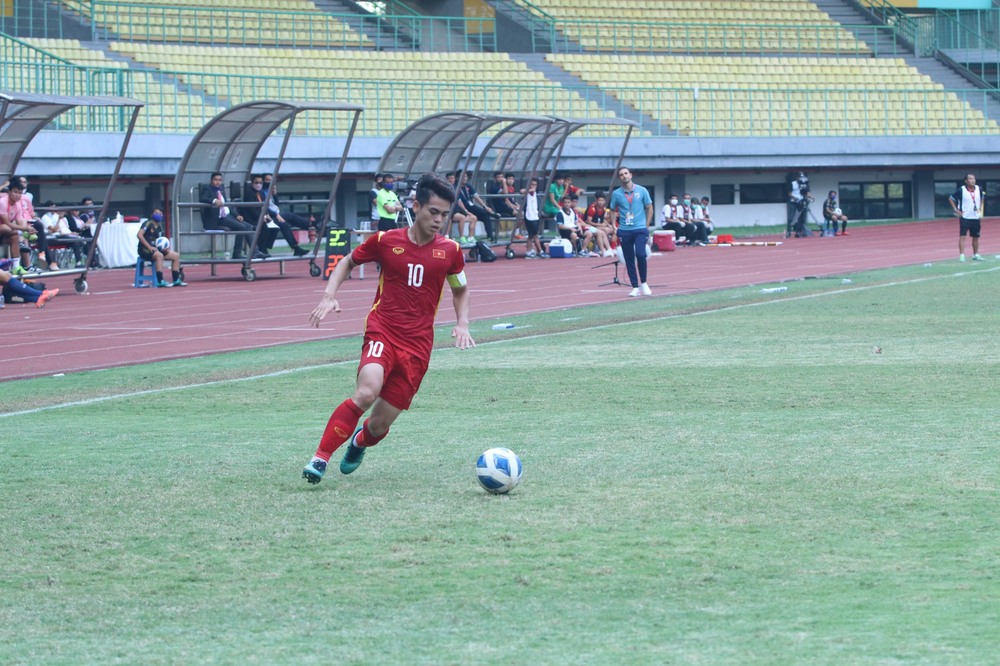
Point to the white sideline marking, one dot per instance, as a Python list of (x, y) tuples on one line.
[(280, 373)]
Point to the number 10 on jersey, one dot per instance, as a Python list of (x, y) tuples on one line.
[(414, 275)]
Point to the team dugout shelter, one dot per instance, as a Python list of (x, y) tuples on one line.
[(230, 144), (24, 115), (528, 146)]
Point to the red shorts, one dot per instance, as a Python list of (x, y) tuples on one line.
[(403, 370)]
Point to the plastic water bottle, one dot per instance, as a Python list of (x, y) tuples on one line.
[(2, 304), (501, 327), (773, 290)]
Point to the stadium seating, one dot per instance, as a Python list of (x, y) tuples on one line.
[(719, 96), (223, 22), (168, 109), (709, 26), (396, 87)]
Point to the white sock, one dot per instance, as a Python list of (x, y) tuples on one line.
[(16, 264)]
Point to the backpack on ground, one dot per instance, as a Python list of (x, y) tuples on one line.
[(485, 252)]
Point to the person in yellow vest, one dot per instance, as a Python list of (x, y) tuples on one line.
[(387, 203)]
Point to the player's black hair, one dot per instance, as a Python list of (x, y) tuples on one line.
[(601, 195), (429, 184), (15, 184), (214, 174)]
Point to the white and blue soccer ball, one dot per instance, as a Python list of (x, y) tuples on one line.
[(162, 244), (498, 470)]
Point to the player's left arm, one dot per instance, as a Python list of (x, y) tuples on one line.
[(460, 297)]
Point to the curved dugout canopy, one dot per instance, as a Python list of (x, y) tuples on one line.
[(526, 144), (24, 115), (229, 143)]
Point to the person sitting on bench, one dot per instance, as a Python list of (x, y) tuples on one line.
[(218, 216)]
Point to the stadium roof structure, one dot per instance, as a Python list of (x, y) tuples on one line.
[(230, 142), (24, 115), (526, 144)]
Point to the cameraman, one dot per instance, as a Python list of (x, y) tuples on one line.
[(798, 205)]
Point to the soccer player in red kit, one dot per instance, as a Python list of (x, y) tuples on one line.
[(399, 330)]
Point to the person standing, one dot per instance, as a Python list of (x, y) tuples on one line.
[(633, 209), (416, 262), (967, 202), (387, 203), (373, 201)]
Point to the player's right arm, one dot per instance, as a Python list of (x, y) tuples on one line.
[(341, 272)]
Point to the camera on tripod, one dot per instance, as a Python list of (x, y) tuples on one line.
[(802, 183)]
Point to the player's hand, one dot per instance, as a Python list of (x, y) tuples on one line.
[(323, 309), (463, 340)]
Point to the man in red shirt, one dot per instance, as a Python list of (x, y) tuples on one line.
[(399, 330)]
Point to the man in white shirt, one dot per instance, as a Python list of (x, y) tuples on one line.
[(967, 202)]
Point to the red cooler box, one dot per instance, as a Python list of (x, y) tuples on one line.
[(663, 241)]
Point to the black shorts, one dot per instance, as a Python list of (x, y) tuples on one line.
[(970, 227), (144, 254), (386, 224), (567, 233), (531, 226)]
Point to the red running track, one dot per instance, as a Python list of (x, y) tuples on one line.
[(116, 324)]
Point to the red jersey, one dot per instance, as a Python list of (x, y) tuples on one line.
[(409, 286)]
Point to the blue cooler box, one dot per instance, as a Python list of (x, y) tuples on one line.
[(559, 249)]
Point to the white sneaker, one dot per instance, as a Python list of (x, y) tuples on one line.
[(609, 253), (977, 257), (634, 293), (961, 258), (645, 289), (530, 255)]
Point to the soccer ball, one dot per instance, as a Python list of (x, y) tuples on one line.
[(162, 244), (498, 470)]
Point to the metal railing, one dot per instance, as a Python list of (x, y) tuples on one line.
[(813, 111), (35, 19), (164, 23), (650, 37), (719, 111), (916, 32), (969, 40)]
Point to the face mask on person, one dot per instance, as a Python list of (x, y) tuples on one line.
[(388, 186), (258, 186), (673, 202), (687, 202), (158, 217)]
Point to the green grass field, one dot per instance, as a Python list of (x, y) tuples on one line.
[(732, 477)]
